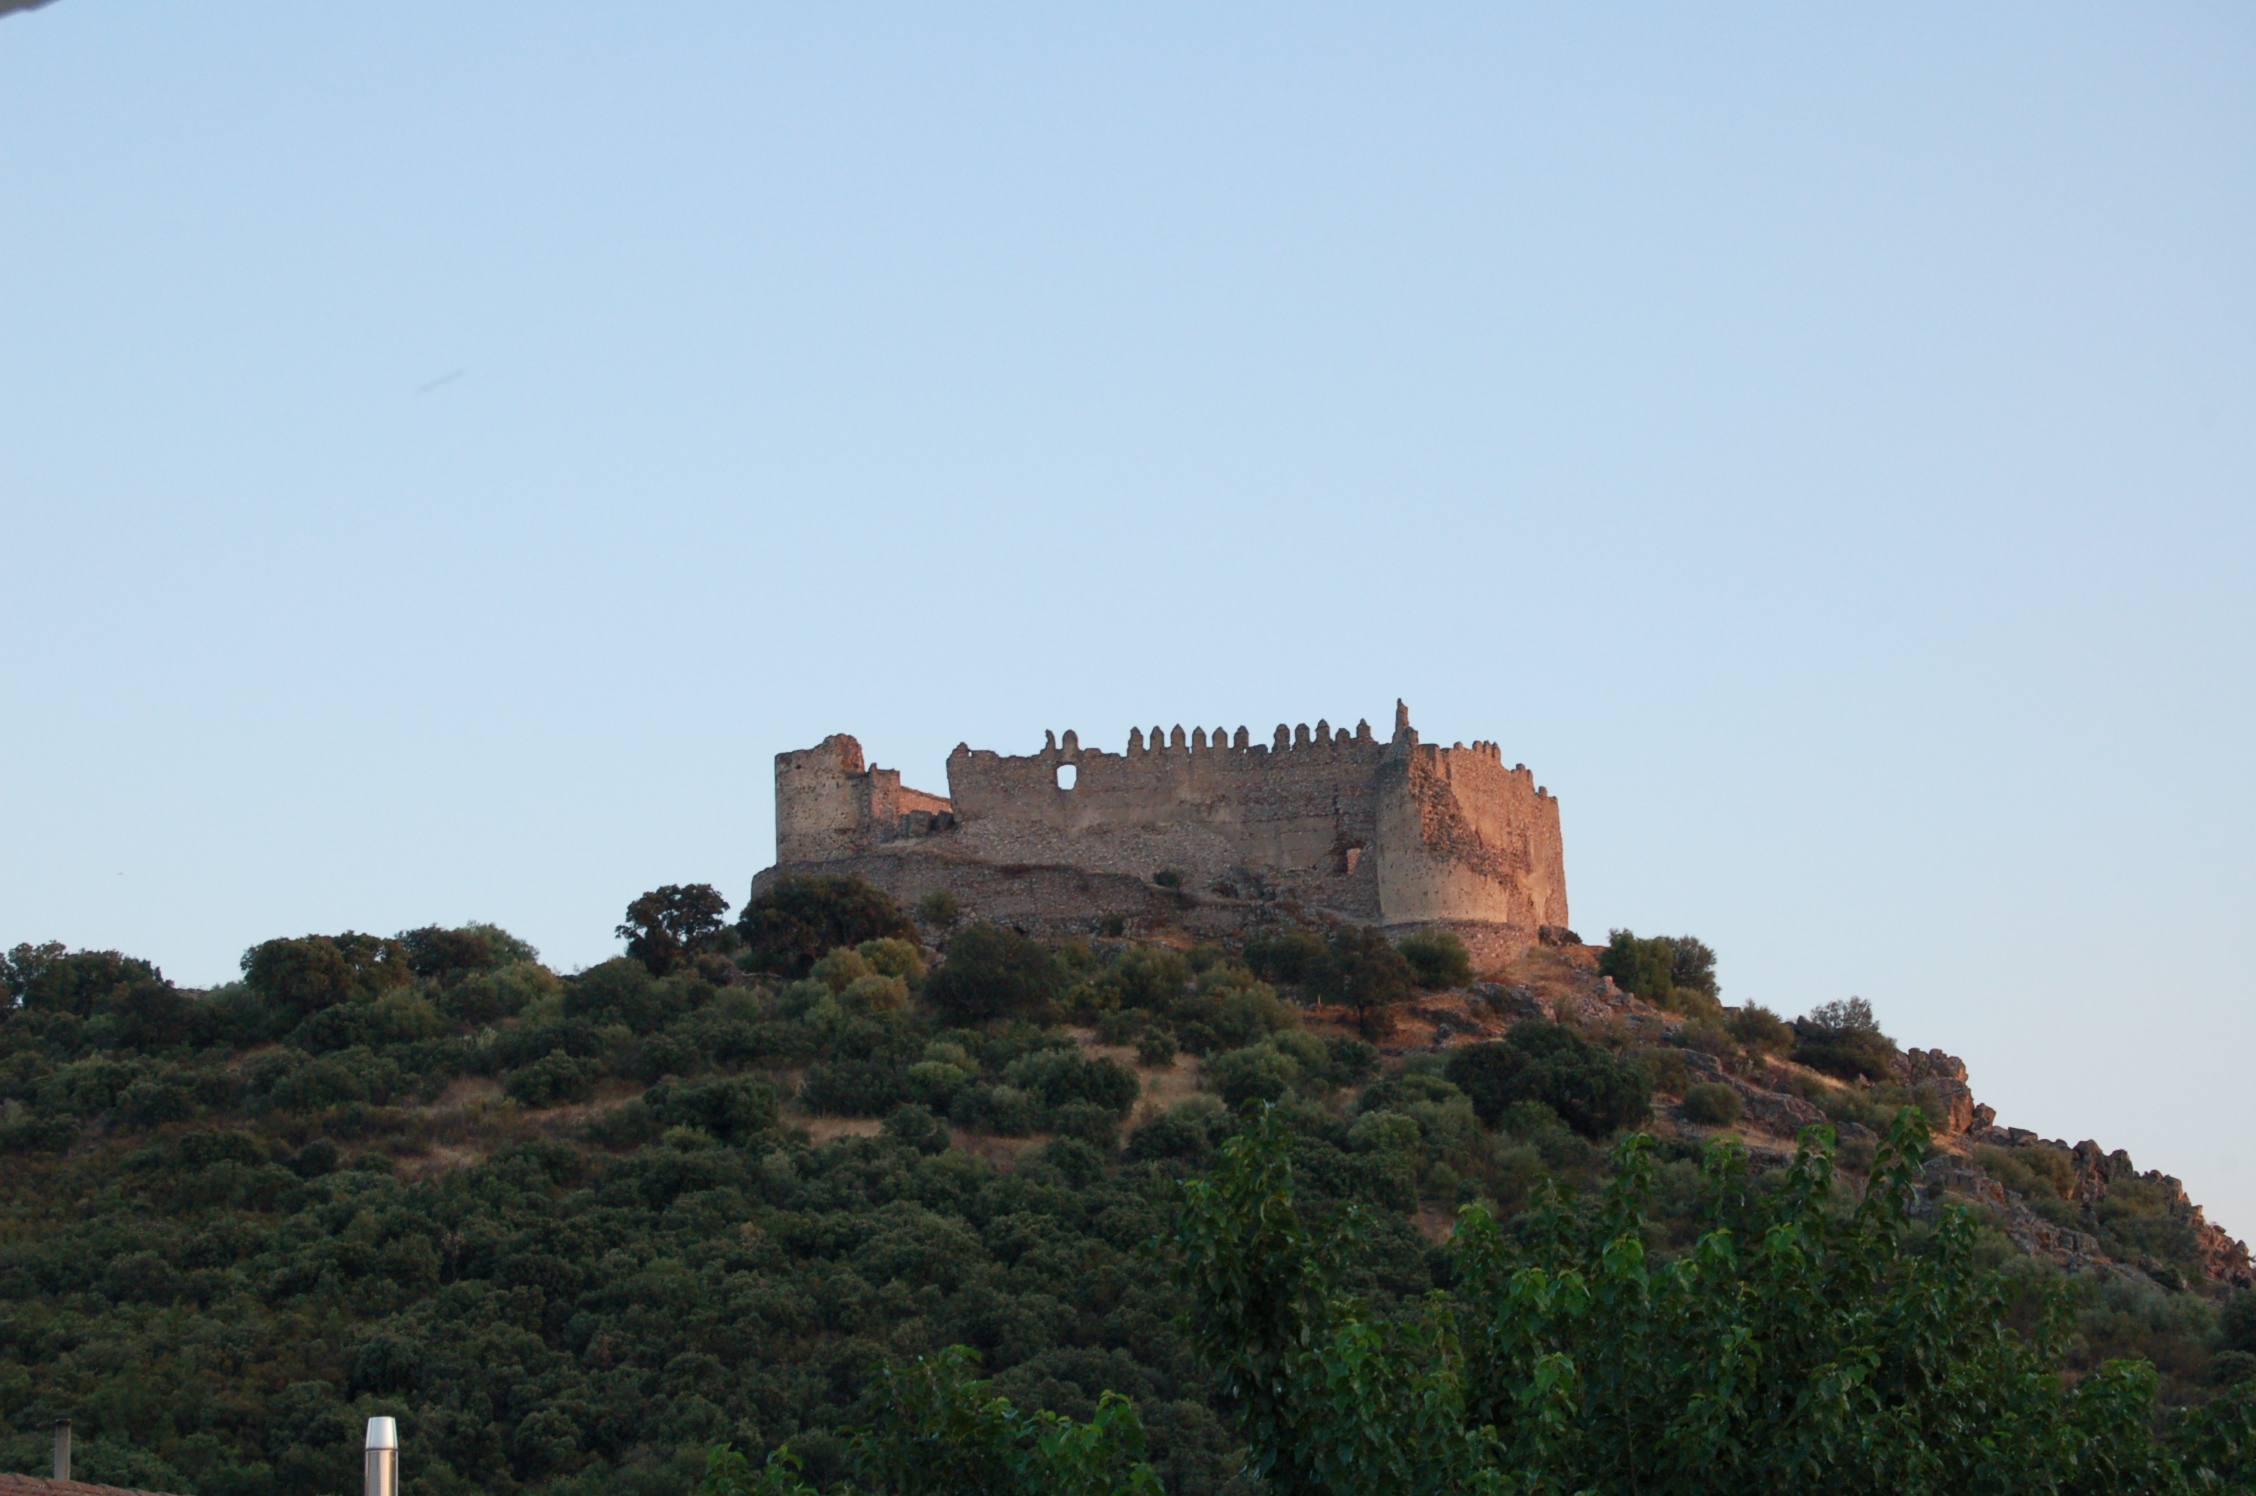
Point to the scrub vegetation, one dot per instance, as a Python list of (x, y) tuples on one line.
[(796, 1200)]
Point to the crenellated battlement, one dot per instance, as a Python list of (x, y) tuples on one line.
[(1390, 831)]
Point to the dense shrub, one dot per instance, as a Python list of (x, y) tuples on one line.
[(990, 973), (1758, 1028), (1844, 1039), (1292, 957), (854, 1088), (799, 920), (1363, 971), (1712, 1104), (1670, 971), (1259, 1073), (670, 925), (916, 1126), (124, 1002), (1054, 1077), (490, 995), (447, 956), (1437, 958), (1147, 977), (1592, 1091), (1229, 1008), (1182, 1132), (731, 1109), (553, 1080), (299, 978), (1566, 1359)]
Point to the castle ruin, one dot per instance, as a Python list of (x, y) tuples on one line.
[(1394, 833)]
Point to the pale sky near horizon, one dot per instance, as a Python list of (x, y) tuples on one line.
[(446, 451)]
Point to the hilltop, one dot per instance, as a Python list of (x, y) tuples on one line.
[(574, 1229)]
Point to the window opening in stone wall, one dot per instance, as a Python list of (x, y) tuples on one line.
[(1067, 775)]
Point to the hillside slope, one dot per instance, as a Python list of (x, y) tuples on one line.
[(574, 1230)]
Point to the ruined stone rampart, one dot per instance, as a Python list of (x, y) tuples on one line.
[(1285, 805), (1461, 837), (1391, 832)]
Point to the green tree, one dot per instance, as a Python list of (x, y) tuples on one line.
[(939, 1432), (1669, 971), (447, 955), (126, 1002), (1293, 956), (1595, 1092), (1438, 958), (991, 972), (667, 924), (1796, 1346), (800, 920), (299, 978), (1844, 1039), (1363, 971)]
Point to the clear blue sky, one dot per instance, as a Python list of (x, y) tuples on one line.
[(445, 451)]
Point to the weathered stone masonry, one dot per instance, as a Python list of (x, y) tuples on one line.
[(1394, 833)]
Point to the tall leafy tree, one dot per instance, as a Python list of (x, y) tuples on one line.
[(1796, 1347), (670, 923)]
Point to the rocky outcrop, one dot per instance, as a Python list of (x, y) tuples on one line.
[(2030, 1232), (2219, 1257)]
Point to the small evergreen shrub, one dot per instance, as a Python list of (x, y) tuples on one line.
[(553, 1080), (1712, 1104), (916, 1126), (1291, 958), (1438, 959), (990, 973), (1592, 1091), (1844, 1039)]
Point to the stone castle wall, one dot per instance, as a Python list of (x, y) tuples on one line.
[(1286, 805), (1390, 832), (1464, 838)]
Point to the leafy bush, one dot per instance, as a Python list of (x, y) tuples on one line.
[(553, 1080), (1005, 1111), (1844, 1039), (1438, 959), (447, 956), (668, 925), (1259, 1073), (854, 1088), (1155, 1047), (895, 958), (1758, 1028), (1292, 957), (1054, 1077), (126, 1003), (2236, 1325), (1229, 1009), (917, 1126), (1712, 1104), (733, 1109), (1149, 978), (299, 978), (1363, 971), (1182, 1132), (1670, 971), (799, 920), (1592, 1091), (991, 973), (1567, 1360), (486, 996)]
